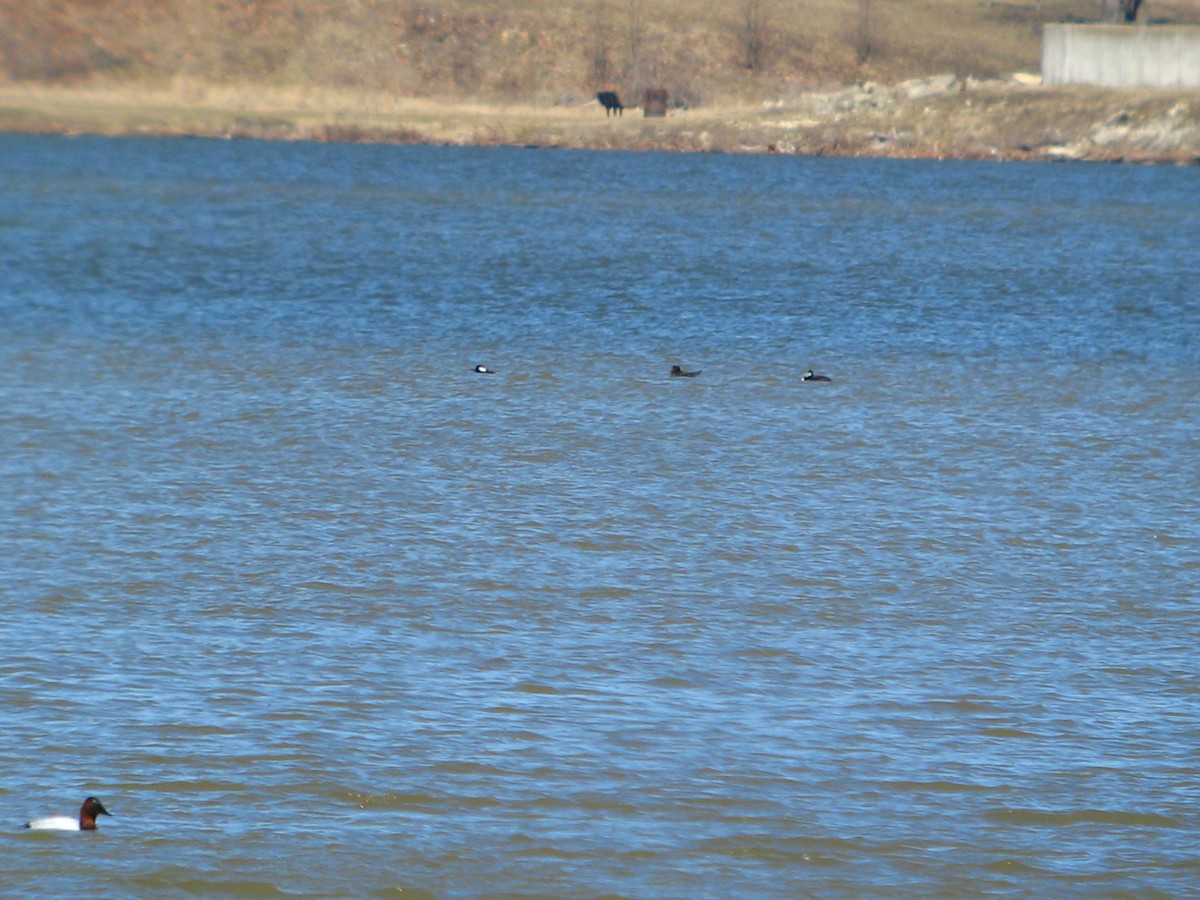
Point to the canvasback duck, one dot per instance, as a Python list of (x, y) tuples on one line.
[(86, 821), (811, 376), (677, 372), (484, 370)]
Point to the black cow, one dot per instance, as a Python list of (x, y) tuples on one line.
[(610, 101)]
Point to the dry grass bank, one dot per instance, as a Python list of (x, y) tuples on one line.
[(536, 51), (930, 118), (746, 75)]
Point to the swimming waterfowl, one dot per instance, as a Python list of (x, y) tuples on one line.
[(484, 370), (677, 372), (86, 821), (809, 376)]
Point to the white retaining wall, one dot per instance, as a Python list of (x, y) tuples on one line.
[(1122, 55)]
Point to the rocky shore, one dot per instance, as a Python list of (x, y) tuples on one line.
[(944, 117), (1004, 119)]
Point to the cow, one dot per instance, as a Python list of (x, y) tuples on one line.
[(655, 104), (610, 101)]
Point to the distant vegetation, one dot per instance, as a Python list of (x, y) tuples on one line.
[(537, 51)]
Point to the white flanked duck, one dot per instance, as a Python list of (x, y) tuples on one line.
[(86, 821)]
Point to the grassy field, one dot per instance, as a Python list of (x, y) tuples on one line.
[(747, 75), (537, 51), (990, 120)]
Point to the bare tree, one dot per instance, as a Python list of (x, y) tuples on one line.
[(753, 27), (637, 35), (1119, 10), (601, 36), (864, 34)]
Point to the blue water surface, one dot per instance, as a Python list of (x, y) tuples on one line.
[(315, 609)]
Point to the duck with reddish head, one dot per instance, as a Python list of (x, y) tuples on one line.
[(86, 821)]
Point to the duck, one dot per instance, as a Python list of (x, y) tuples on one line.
[(86, 821), (484, 370), (677, 372), (811, 376)]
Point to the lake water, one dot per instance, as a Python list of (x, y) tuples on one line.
[(315, 610)]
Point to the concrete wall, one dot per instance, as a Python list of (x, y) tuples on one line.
[(1122, 55)]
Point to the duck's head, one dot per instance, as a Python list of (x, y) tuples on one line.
[(88, 812)]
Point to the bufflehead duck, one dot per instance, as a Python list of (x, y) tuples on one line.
[(677, 372), (809, 376), (86, 821), (484, 370)]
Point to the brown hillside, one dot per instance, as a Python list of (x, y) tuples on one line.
[(928, 78), (538, 51)]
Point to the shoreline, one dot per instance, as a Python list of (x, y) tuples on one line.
[(941, 117)]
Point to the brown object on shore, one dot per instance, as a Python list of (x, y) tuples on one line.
[(654, 105)]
